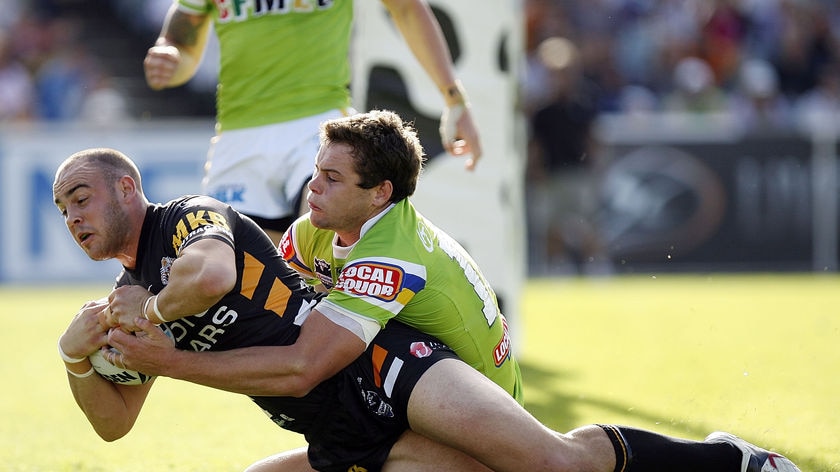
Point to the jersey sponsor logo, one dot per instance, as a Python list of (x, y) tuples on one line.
[(280, 419), (426, 236), (377, 405), (420, 349), (238, 10), (196, 223), (165, 268), (286, 248), (501, 352), (323, 271), (229, 193), (373, 400), (371, 279), (200, 333)]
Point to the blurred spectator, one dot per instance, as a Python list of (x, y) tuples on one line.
[(695, 89), (722, 38), (759, 105), (31, 39), (16, 87), (543, 19), (637, 99), (65, 76), (806, 41), (819, 108), (563, 196), (104, 105), (12, 10)]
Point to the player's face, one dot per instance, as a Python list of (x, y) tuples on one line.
[(336, 201), (91, 212)]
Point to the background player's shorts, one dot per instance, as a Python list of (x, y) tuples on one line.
[(261, 171), (363, 409)]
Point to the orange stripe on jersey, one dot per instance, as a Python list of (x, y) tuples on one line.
[(379, 354), (278, 297), (251, 276)]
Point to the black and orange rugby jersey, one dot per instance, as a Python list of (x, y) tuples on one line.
[(265, 284)]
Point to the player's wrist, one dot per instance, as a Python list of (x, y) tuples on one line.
[(145, 310), (154, 315), (454, 94), (80, 374), (66, 358)]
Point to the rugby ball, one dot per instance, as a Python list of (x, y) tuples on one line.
[(118, 375), (113, 373)]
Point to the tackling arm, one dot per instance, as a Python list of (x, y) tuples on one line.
[(322, 349), (202, 274)]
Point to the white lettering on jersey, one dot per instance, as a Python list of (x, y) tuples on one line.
[(452, 249), (371, 279), (241, 10), (208, 334)]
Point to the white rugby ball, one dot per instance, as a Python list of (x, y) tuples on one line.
[(117, 375)]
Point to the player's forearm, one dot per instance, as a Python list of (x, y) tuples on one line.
[(424, 37), (110, 414), (189, 34), (256, 371), (198, 279), (322, 349)]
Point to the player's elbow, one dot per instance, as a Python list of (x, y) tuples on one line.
[(110, 427), (215, 284), (107, 437), (300, 377), (110, 433), (300, 384), (300, 391)]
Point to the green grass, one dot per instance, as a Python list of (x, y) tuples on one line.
[(183, 427), (685, 355), (681, 355)]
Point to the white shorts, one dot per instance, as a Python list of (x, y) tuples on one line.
[(261, 171)]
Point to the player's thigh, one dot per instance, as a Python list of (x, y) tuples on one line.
[(416, 453), (288, 461), (457, 406)]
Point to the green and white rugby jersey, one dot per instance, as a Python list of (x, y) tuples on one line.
[(404, 267), (279, 61)]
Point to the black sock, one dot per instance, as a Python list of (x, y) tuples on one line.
[(637, 450)]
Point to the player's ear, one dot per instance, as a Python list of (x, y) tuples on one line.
[(383, 192), (127, 186)]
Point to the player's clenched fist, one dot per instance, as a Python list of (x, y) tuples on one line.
[(160, 65)]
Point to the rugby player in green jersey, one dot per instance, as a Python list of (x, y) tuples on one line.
[(284, 68)]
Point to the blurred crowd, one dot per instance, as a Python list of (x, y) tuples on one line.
[(768, 66), (769, 61), (766, 60), (47, 73)]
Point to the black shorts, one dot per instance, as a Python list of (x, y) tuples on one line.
[(354, 418)]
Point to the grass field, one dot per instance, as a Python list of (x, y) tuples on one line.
[(682, 355)]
